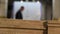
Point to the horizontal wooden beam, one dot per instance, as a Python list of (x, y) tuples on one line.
[(53, 27), (21, 23), (20, 31)]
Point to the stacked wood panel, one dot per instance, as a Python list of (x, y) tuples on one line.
[(11, 26), (54, 27)]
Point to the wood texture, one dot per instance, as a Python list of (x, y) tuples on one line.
[(20, 31), (12, 26), (21, 23), (54, 27), (53, 21), (53, 30)]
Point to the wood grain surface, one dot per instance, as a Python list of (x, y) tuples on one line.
[(20, 31), (12, 26), (54, 27), (21, 23)]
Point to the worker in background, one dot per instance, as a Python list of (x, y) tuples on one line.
[(19, 13)]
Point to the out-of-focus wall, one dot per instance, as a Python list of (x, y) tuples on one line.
[(3, 7), (43, 11), (56, 8)]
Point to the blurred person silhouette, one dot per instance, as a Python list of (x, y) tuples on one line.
[(19, 13)]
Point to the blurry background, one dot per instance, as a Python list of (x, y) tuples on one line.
[(32, 10), (50, 8), (3, 8), (46, 9)]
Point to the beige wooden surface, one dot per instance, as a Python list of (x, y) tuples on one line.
[(53, 27), (53, 30), (54, 21), (21, 23), (12, 26), (20, 31)]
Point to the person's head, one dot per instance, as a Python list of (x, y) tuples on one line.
[(22, 8)]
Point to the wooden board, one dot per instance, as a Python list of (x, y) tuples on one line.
[(53, 30), (21, 23), (53, 27), (20, 31), (53, 21)]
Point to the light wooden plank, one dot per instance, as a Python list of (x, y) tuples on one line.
[(54, 21), (21, 23), (52, 30), (19, 31), (54, 27)]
